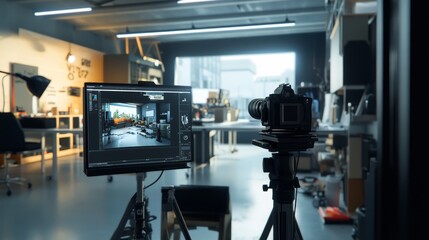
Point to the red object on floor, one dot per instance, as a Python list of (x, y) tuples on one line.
[(334, 215)]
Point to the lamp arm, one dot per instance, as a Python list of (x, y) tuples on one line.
[(6, 73)]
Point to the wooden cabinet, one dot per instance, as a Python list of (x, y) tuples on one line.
[(125, 68)]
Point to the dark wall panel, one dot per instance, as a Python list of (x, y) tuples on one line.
[(309, 49)]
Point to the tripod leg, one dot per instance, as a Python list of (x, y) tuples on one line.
[(268, 226), (297, 234), (283, 221), (120, 230), (180, 216)]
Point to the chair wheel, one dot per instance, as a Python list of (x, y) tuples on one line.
[(29, 185), (9, 192)]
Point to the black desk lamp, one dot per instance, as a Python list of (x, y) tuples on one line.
[(36, 84)]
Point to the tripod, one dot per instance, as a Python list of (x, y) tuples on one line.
[(283, 182)]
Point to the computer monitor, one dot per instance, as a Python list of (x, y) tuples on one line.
[(131, 128)]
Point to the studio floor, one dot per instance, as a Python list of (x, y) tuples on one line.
[(75, 207)]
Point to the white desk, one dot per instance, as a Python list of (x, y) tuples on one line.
[(231, 127), (242, 126), (53, 132)]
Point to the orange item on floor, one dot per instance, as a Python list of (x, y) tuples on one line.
[(334, 215)]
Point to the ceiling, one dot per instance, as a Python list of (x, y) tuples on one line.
[(110, 17)]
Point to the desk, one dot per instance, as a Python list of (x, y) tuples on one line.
[(53, 132), (203, 134)]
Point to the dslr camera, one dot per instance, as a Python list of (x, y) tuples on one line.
[(283, 110)]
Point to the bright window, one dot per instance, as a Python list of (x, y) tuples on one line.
[(243, 77)]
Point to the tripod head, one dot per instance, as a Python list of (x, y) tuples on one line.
[(280, 167), (285, 141)]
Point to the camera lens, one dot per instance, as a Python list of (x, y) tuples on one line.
[(255, 108)]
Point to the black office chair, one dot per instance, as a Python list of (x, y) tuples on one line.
[(12, 141)]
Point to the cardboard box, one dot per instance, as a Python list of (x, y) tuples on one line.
[(354, 158), (354, 194)]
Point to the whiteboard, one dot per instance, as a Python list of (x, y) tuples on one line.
[(21, 98)]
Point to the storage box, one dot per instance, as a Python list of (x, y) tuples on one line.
[(220, 114), (355, 194), (305, 162), (326, 162)]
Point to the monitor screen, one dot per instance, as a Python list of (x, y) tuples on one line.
[(131, 128)]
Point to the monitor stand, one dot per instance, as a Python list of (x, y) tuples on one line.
[(135, 222)]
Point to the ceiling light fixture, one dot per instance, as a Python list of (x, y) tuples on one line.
[(193, 1), (207, 30), (64, 11)]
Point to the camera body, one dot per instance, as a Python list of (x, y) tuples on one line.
[(283, 110)]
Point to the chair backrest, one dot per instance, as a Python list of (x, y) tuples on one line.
[(203, 199), (12, 137)]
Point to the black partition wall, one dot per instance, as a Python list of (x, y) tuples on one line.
[(309, 49)]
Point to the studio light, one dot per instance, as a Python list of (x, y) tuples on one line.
[(207, 30), (64, 11), (36, 84)]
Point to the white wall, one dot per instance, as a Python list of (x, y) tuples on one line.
[(49, 56)]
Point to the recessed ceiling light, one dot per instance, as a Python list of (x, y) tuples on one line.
[(207, 30), (193, 1), (64, 11)]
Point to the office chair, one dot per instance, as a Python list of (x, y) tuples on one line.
[(201, 206), (12, 141)]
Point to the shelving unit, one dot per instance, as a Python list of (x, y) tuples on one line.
[(352, 78), (68, 143)]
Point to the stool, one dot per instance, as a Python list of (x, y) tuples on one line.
[(200, 206)]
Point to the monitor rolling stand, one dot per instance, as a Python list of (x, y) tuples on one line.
[(135, 222)]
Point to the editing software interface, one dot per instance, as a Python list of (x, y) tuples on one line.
[(131, 128)]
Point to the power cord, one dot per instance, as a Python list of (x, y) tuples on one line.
[(156, 180)]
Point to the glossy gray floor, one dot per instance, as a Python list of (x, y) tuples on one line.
[(75, 206)]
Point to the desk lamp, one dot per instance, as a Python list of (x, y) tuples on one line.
[(36, 84)]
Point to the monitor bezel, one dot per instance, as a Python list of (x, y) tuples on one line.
[(141, 166)]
